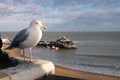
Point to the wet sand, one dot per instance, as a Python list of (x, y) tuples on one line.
[(82, 74), (62, 71)]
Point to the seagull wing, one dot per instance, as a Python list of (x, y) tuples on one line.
[(20, 37)]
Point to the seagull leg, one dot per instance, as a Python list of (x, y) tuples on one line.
[(24, 54), (30, 53)]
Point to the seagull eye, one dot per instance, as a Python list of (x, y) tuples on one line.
[(36, 23)]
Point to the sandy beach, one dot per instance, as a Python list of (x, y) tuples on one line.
[(67, 72), (82, 74)]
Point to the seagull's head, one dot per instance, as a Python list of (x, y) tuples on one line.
[(36, 23)]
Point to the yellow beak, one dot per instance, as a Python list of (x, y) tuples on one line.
[(43, 27)]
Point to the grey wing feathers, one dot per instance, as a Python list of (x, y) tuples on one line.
[(20, 37)]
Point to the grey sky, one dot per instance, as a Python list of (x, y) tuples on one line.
[(61, 15)]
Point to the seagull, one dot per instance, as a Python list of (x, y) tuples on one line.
[(28, 38)]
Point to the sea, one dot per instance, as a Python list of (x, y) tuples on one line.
[(97, 52)]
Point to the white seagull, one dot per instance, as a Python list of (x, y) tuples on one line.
[(28, 37)]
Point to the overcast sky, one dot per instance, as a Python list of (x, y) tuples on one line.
[(61, 15)]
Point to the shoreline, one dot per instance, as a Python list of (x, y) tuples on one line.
[(63, 71), (97, 70)]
